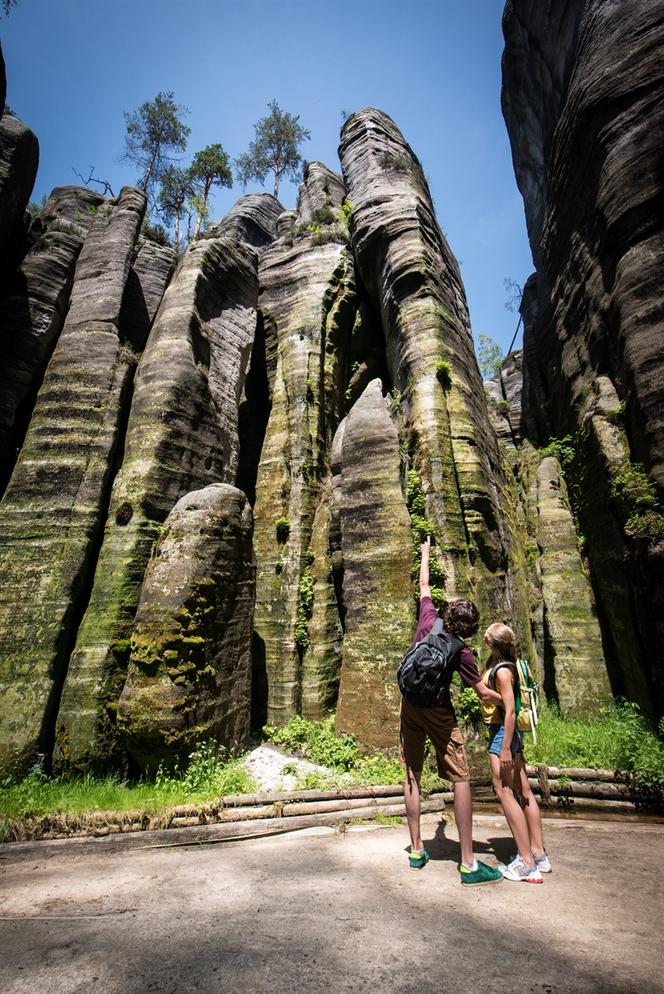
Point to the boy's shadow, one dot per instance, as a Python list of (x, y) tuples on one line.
[(442, 848)]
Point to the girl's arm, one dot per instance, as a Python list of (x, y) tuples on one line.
[(505, 684)]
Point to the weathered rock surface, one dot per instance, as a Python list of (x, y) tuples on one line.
[(307, 304), (33, 311), (148, 278), (575, 673), (181, 436), (19, 157), (593, 201), (53, 508), (252, 219), (415, 284), (189, 675), (377, 559)]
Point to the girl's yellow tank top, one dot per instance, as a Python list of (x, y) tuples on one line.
[(493, 714)]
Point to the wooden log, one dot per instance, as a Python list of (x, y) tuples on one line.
[(246, 800), (608, 791), (574, 773), (340, 804)]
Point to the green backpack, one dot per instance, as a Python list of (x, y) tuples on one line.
[(526, 693)]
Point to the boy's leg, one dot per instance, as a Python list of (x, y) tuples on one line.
[(463, 815), (411, 794), (512, 810), (411, 753)]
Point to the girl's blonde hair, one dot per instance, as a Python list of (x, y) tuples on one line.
[(502, 641)]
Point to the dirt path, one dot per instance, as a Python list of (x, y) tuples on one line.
[(314, 913)]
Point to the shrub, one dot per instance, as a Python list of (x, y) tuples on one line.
[(444, 373), (503, 406), (345, 213), (633, 490), (562, 449), (282, 528)]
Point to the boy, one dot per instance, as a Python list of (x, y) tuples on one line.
[(439, 723)]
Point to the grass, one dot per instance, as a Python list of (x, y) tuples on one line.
[(210, 774), (618, 739)]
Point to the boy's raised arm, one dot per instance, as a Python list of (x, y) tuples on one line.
[(425, 589)]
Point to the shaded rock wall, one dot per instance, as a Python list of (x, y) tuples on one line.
[(33, 311), (592, 349), (181, 436), (19, 157), (189, 676), (55, 502)]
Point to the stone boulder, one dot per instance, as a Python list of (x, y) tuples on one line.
[(189, 675)]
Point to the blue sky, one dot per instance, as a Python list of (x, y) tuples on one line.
[(74, 66)]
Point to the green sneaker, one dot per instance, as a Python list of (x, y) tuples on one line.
[(418, 860), (482, 875)]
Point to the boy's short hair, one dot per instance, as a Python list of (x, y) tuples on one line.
[(462, 618)]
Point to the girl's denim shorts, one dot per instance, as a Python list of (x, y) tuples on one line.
[(496, 735)]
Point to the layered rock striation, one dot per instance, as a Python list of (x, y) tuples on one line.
[(181, 436), (55, 502), (584, 91)]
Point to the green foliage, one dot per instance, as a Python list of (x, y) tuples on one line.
[(563, 450), (305, 592), (649, 525), (154, 132), (313, 228), (503, 406), (210, 167), (282, 528), (633, 490), (467, 706), (176, 188), (618, 739), (489, 356), (346, 212), (421, 529), (444, 374), (154, 232), (275, 148), (210, 774), (317, 741)]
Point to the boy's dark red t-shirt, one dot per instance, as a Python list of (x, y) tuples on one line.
[(465, 662)]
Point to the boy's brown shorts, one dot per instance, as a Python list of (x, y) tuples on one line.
[(440, 725)]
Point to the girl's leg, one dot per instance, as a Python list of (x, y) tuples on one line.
[(531, 808), (512, 810)]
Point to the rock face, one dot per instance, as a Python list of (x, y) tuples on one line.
[(593, 355), (181, 436), (575, 674), (415, 285), (307, 305), (377, 557), (148, 278), (19, 157), (34, 308), (189, 676), (252, 220), (53, 507)]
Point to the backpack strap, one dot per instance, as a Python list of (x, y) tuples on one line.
[(494, 670), (438, 627)]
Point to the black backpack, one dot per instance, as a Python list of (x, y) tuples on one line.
[(427, 669)]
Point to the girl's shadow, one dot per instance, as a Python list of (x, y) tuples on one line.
[(442, 848)]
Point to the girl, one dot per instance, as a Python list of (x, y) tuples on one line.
[(508, 769)]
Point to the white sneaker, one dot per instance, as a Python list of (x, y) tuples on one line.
[(518, 870), (542, 863)]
